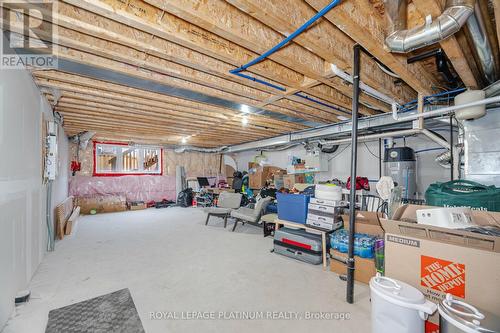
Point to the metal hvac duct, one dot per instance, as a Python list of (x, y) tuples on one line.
[(183, 149), (481, 45), (402, 40)]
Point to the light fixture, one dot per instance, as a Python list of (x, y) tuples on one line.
[(244, 108), (244, 121), (184, 140), (342, 118)]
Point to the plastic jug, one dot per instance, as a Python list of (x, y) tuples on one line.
[(398, 307)]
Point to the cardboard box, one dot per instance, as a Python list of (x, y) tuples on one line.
[(137, 205), (290, 180), (102, 203), (439, 260), (278, 182), (366, 223), (364, 268), (262, 175)]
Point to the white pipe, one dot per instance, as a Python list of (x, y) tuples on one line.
[(436, 139), (373, 136), (388, 72), (441, 111), (366, 88), (412, 131)]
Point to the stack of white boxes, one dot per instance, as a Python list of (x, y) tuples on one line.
[(325, 213)]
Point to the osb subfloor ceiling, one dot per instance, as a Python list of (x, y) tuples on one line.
[(127, 67)]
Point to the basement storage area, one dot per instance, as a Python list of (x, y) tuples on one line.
[(250, 166)]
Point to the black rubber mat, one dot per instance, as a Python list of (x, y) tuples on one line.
[(111, 313)]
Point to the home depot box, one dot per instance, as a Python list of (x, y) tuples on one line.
[(365, 267), (439, 260), (366, 223)]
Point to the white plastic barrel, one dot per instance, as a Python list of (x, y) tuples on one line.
[(473, 112), (398, 307)]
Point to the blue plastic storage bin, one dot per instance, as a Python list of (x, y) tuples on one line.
[(363, 243), (272, 208), (292, 207)]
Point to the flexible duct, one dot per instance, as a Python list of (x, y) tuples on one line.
[(444, 159), (402, 40)]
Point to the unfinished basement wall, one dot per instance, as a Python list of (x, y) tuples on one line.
[(143, 187), (428, 171), (23, 231)]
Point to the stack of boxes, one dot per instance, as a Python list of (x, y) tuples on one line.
[(325, 214)]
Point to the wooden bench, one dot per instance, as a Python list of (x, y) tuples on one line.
[(66, 215)]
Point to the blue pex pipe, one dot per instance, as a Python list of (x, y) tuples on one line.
[(321, 103), (237, 71), (408, 106), (259, 81), (285, 41)]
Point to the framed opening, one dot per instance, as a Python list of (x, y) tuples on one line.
[(119, 159)]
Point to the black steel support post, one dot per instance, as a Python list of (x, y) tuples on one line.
[(451, 148), (354, 160), (380, 158)]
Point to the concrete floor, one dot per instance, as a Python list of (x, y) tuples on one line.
[(173, 263)]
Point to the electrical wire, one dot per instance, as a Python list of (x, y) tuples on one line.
[(340, 152), (378, 157)]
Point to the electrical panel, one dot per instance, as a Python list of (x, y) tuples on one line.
[(51, 151)]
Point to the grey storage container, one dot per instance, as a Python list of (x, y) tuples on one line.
[(298, 244)]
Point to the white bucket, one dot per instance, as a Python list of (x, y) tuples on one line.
[(398, 307)]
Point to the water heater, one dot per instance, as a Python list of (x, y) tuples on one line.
[(400, 165)]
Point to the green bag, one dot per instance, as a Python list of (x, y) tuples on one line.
[(463, 193)]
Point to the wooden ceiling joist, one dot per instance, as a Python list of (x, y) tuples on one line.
[(366, 26), (93, 54), (230, 23), (323, 38), (191, 36), (84, 85), (151, 70), (69, 84)]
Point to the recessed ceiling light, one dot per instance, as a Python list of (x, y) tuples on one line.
[(244, 121), (184, 140)]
